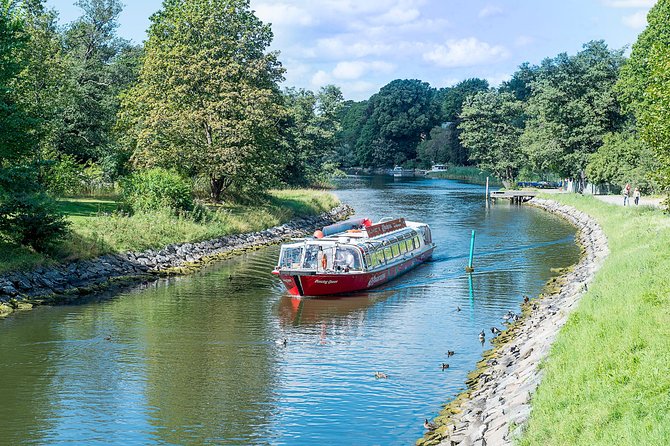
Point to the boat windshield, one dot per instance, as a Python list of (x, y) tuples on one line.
[(311, 257), (290, 257), (347, 258)]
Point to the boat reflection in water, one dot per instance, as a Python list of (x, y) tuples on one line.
[(305, 311)]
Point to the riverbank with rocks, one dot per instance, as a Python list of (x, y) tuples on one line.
[(68, 282), (495, 407)]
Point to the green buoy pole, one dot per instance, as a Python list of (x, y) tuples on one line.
[(470, 268)]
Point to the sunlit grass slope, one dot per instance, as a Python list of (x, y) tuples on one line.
[(97, 229), (607, 379)]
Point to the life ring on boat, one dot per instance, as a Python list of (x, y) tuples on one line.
[(324, 261)]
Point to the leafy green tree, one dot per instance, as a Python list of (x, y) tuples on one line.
[(27, 215), (644, 86), (635, 73), (491, 125), (207, 101), (99, 73), (310, 133), (654, 120), (437, 148), (571, 108), (16, 126), (623, 158), (351, 118), (451, 99), (397, 119), (521, 82), (44, 85)]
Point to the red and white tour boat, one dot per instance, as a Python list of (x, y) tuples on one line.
[(353, 255)]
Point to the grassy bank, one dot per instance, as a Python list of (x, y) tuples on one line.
[(467, 173), (607, 379), (98, 229)]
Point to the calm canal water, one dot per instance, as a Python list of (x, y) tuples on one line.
[(196, 360)]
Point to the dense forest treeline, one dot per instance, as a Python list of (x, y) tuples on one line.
[(199, 103)]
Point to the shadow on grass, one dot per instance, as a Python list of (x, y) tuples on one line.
[(14, 257), (86, 208)]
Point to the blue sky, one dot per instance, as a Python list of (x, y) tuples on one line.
[(361, 45)]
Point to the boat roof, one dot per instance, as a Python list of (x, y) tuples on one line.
[(354, 237)]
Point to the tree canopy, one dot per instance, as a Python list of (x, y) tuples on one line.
[(207, 100), (645, 85), (491, 125), (397, 119), (571, 107)]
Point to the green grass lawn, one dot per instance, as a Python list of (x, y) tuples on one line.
[(607, 378), (96, 228)]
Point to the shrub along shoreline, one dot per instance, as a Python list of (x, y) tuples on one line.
[(98, 227), (67, 282)]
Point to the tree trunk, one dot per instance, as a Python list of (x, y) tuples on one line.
[(218, 185)]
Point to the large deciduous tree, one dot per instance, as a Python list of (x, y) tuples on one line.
[(44, 85), (623, 158), (571, 108), (16, 127), (645, 85), (93, 50), (397, 119), (351, 119), (207, 101), (309, 133), (491, 124)]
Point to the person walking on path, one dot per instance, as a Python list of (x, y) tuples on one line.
[(626, 194), (636, 196)]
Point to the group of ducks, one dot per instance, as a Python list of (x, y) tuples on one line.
[(444, 366)]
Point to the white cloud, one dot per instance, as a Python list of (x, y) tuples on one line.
[(357, 69), (343, 47), (321, 78), (398, 16), (524, 40), (629, 3), (636, 21), (490, 11), (283, 14), (496, 79), (465, 53)]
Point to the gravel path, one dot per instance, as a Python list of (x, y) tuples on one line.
[(618, 199)]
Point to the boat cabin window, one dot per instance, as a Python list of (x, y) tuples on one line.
[(378, 258), (387, 254), (290, 257), (311, 257), (395, 250), (347, 258), (403, 247)]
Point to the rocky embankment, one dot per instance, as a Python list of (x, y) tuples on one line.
[(66, 282), (494, 409)]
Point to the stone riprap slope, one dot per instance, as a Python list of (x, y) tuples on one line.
[(495, 408), (65, 282)]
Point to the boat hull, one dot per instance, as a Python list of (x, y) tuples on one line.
[(330, 284)]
